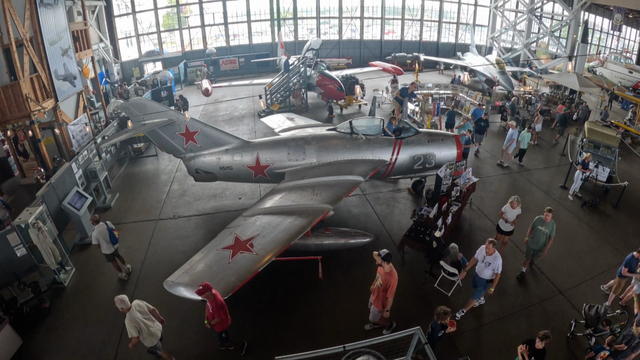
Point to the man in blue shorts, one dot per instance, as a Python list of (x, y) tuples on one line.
[(488, 269)]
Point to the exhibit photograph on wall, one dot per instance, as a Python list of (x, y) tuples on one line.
[(59, 48), (79, 132)]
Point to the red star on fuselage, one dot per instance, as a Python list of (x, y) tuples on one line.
[(189, 136), (240, 246), (258, 168)]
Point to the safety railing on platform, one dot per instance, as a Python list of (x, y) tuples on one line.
[(405, 344), (278, 91)]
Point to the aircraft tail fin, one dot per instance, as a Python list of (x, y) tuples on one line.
[(174, 134), (282, 51), (373, 106)]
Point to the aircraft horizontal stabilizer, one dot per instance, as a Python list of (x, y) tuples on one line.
[(138, 129)]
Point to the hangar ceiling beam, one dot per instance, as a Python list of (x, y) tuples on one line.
[(515, 37)]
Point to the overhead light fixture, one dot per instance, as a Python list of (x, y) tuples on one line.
[(30, 133), (87, 128), (57, 131), (129, 124), (9, 132)]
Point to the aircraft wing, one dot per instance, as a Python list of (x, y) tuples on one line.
[(242, 83), (515, 69), (373, 66), (253, 240), (287, 123), (457, 62)]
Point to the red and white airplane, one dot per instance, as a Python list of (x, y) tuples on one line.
[(320, 80)]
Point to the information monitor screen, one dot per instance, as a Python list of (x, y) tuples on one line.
[(77, 200)]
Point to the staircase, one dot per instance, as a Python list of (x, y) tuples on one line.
[(288, 89)]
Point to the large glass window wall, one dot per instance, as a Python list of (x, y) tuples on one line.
[(174, 26)]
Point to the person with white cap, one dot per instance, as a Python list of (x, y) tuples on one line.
[(144, 324), (383, 291)]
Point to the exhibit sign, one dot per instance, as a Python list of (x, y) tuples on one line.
[(79, 132), (229, 64), (59, 48)]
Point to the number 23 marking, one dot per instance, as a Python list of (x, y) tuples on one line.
[(424, 161)]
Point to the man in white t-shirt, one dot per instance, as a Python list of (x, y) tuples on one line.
[(488, 267), (100, 236), (144, 325)]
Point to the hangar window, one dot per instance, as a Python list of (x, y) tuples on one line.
[(307, 29), (430, 31), (431, 10), (125, 26), (213, 13), (351, 28), (329, 29), (393, 9), (306, 8), (411, 30), (192, 39), (392, 29), (121, 7), (259, 10), (372, 29), (171, 41), (146, 22), (373, 8), (142, 5), (189, 16), (236, 11), (215, 35), (329, 8), (168, 18), (238, 34), (148, 42), (412, 9), (128, 48), (260, 32)]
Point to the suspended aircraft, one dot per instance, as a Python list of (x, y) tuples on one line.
[(314, 165), (617, 68), (487, 71), (319, 79)]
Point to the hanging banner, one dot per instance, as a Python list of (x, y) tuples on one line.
[(80, 132), (59, 48), (618, 19)]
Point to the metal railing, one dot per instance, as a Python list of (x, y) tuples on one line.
[(279, 89), (403, 344)]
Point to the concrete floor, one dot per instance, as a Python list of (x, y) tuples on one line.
[(165, 217)]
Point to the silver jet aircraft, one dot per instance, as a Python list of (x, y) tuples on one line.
[(315, 166), (489, 71)]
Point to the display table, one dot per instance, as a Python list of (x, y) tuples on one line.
[(10, 341), (431, 228)]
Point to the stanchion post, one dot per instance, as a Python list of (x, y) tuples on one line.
[(564, 147), (620, 196), (564, 183)]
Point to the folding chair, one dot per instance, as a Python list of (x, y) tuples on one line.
[(450, 273)]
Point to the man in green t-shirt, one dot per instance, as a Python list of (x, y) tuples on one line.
[(539, 238)]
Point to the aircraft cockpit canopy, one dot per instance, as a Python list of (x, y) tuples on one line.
[(374, 126), (500, 64)]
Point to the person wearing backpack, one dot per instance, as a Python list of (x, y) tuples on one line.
[(105, 235)]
